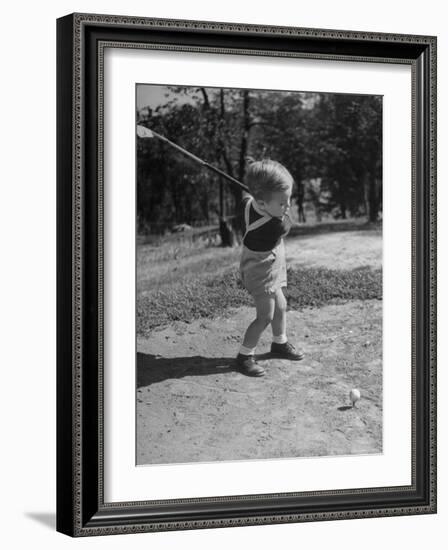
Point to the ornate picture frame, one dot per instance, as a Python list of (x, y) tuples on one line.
[(81, 506)]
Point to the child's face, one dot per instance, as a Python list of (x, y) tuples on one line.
[(278, 204)]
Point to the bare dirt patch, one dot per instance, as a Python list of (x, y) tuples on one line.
[(193, 406), (344, 250)]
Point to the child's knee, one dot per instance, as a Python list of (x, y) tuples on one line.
[(265, 310), (280, 303), (280, 307)]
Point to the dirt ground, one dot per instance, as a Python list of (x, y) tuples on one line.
[(347, 250), (193, 406)]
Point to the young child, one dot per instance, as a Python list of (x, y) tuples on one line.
[(263, 263)]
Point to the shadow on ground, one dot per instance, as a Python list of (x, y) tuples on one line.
[(154, 368)]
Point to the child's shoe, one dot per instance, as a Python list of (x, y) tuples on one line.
[(248, 365), (286, 351)]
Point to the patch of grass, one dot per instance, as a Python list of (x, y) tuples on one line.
[(211, 297), (317, 287)]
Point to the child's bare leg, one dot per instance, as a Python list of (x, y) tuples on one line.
[(245, 360), (265, 306), (279, 318), (280, 346)]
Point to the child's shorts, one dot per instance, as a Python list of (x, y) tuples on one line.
[(263, 272)]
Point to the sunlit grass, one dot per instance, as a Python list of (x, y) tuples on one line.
[(210, 296)]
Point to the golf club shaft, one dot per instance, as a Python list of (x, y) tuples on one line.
[(202, 162)]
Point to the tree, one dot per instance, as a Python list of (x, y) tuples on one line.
[(333, 139), (349, 132)]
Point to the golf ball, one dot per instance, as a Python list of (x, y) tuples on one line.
[(355, 395)]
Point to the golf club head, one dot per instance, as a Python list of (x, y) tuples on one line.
[(144, 132)]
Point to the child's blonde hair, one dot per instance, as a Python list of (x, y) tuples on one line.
[(267, 176)]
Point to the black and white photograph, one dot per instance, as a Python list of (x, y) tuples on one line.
[(258, 274), (222, 242)]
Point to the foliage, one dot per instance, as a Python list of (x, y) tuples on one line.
[(331, 143)]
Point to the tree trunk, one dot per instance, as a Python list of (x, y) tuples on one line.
[(171, 185), (300, 199), (373, 199), (343, 209), (221, 199), (244, 135), (205, 97), (341, 195), (226, 233), (221, 126), (365, 186)]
